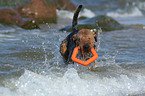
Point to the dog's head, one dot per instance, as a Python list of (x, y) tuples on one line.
[(85, 40)]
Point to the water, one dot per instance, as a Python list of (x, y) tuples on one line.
[(31, 65)]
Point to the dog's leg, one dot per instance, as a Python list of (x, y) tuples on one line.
[(70, 52), (63, 49)]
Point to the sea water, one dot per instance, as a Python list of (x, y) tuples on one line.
[(31, 65)]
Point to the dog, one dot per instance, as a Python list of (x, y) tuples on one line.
[(84, 39)]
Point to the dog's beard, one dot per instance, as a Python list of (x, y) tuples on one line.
[(84, 51), (86, 55)]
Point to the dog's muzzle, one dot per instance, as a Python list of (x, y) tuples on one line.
[(86, 47)]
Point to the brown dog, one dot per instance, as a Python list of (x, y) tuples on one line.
[(84, 39)]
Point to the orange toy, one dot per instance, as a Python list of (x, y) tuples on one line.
[(85, 63)]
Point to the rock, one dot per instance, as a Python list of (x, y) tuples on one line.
[(10, 16), (29, 23), (41, 10), (64, 5), (82, 17), (104, 22)]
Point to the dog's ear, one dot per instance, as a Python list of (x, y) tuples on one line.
[(74, 38), (94, 31)]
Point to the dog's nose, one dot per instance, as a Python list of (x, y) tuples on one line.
[(86, 46)]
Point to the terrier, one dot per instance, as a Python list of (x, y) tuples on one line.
[(84, 39)]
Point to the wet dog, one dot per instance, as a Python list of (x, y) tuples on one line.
[(84, 39)]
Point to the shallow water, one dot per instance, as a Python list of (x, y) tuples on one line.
[(31, 64)]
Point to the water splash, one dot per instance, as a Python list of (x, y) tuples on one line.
[(127, 12), (46, 60), (99, 38), (74, 83)]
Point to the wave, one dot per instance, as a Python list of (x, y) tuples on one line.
[(73, 83), (141, 5), (127, 12), (64, 14)]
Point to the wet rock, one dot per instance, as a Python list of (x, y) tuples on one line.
[(104, 22), (41, 10), (82, 17), (64, 5), (29, 23), (10, 16)]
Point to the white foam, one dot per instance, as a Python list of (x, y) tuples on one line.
[(6, 92), (74, 84), (127, 12), (64, 14), (141, 5), (87, 13)]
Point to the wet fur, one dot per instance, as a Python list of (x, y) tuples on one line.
[(81, 38)]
